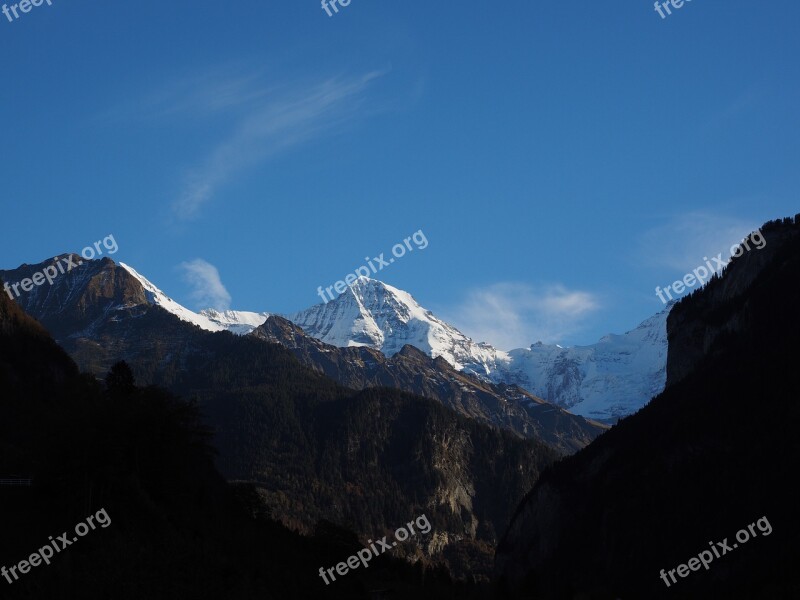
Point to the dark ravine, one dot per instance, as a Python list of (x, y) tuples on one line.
[(604, 522)]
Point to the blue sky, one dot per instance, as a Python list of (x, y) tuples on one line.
[(562, 159)]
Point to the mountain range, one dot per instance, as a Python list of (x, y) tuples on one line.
[(345, 441), (604, 381), (93, 313)]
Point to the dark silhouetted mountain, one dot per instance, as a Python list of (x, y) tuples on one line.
[(714, 453)]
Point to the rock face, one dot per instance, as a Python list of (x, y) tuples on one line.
[(696, 328), (712, 454)]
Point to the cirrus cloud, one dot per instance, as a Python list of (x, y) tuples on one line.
[(274, 121)]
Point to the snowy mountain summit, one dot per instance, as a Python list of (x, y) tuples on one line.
[(611, 378), (372, 313)]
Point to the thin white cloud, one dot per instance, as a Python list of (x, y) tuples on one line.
[(259, 118), (207, 288), (283, 119), (195, 96), (514, 315), (683, 240)]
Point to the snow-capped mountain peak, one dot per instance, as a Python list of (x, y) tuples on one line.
[(373, 313), (239, 322)]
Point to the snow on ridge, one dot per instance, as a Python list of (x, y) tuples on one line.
[(238, 322), (612, 378)]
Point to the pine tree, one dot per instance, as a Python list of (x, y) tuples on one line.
[(120, 380)]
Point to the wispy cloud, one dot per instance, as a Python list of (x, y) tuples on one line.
[(280, 120), (194, 96), (259, 118), (514, 315), (682, 241), (207, 288)]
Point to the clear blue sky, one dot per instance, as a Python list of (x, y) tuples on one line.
[(562, 158)]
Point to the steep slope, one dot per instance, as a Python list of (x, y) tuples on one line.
[(714, 453), (697, 327), (239, 322), (413, 371)]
